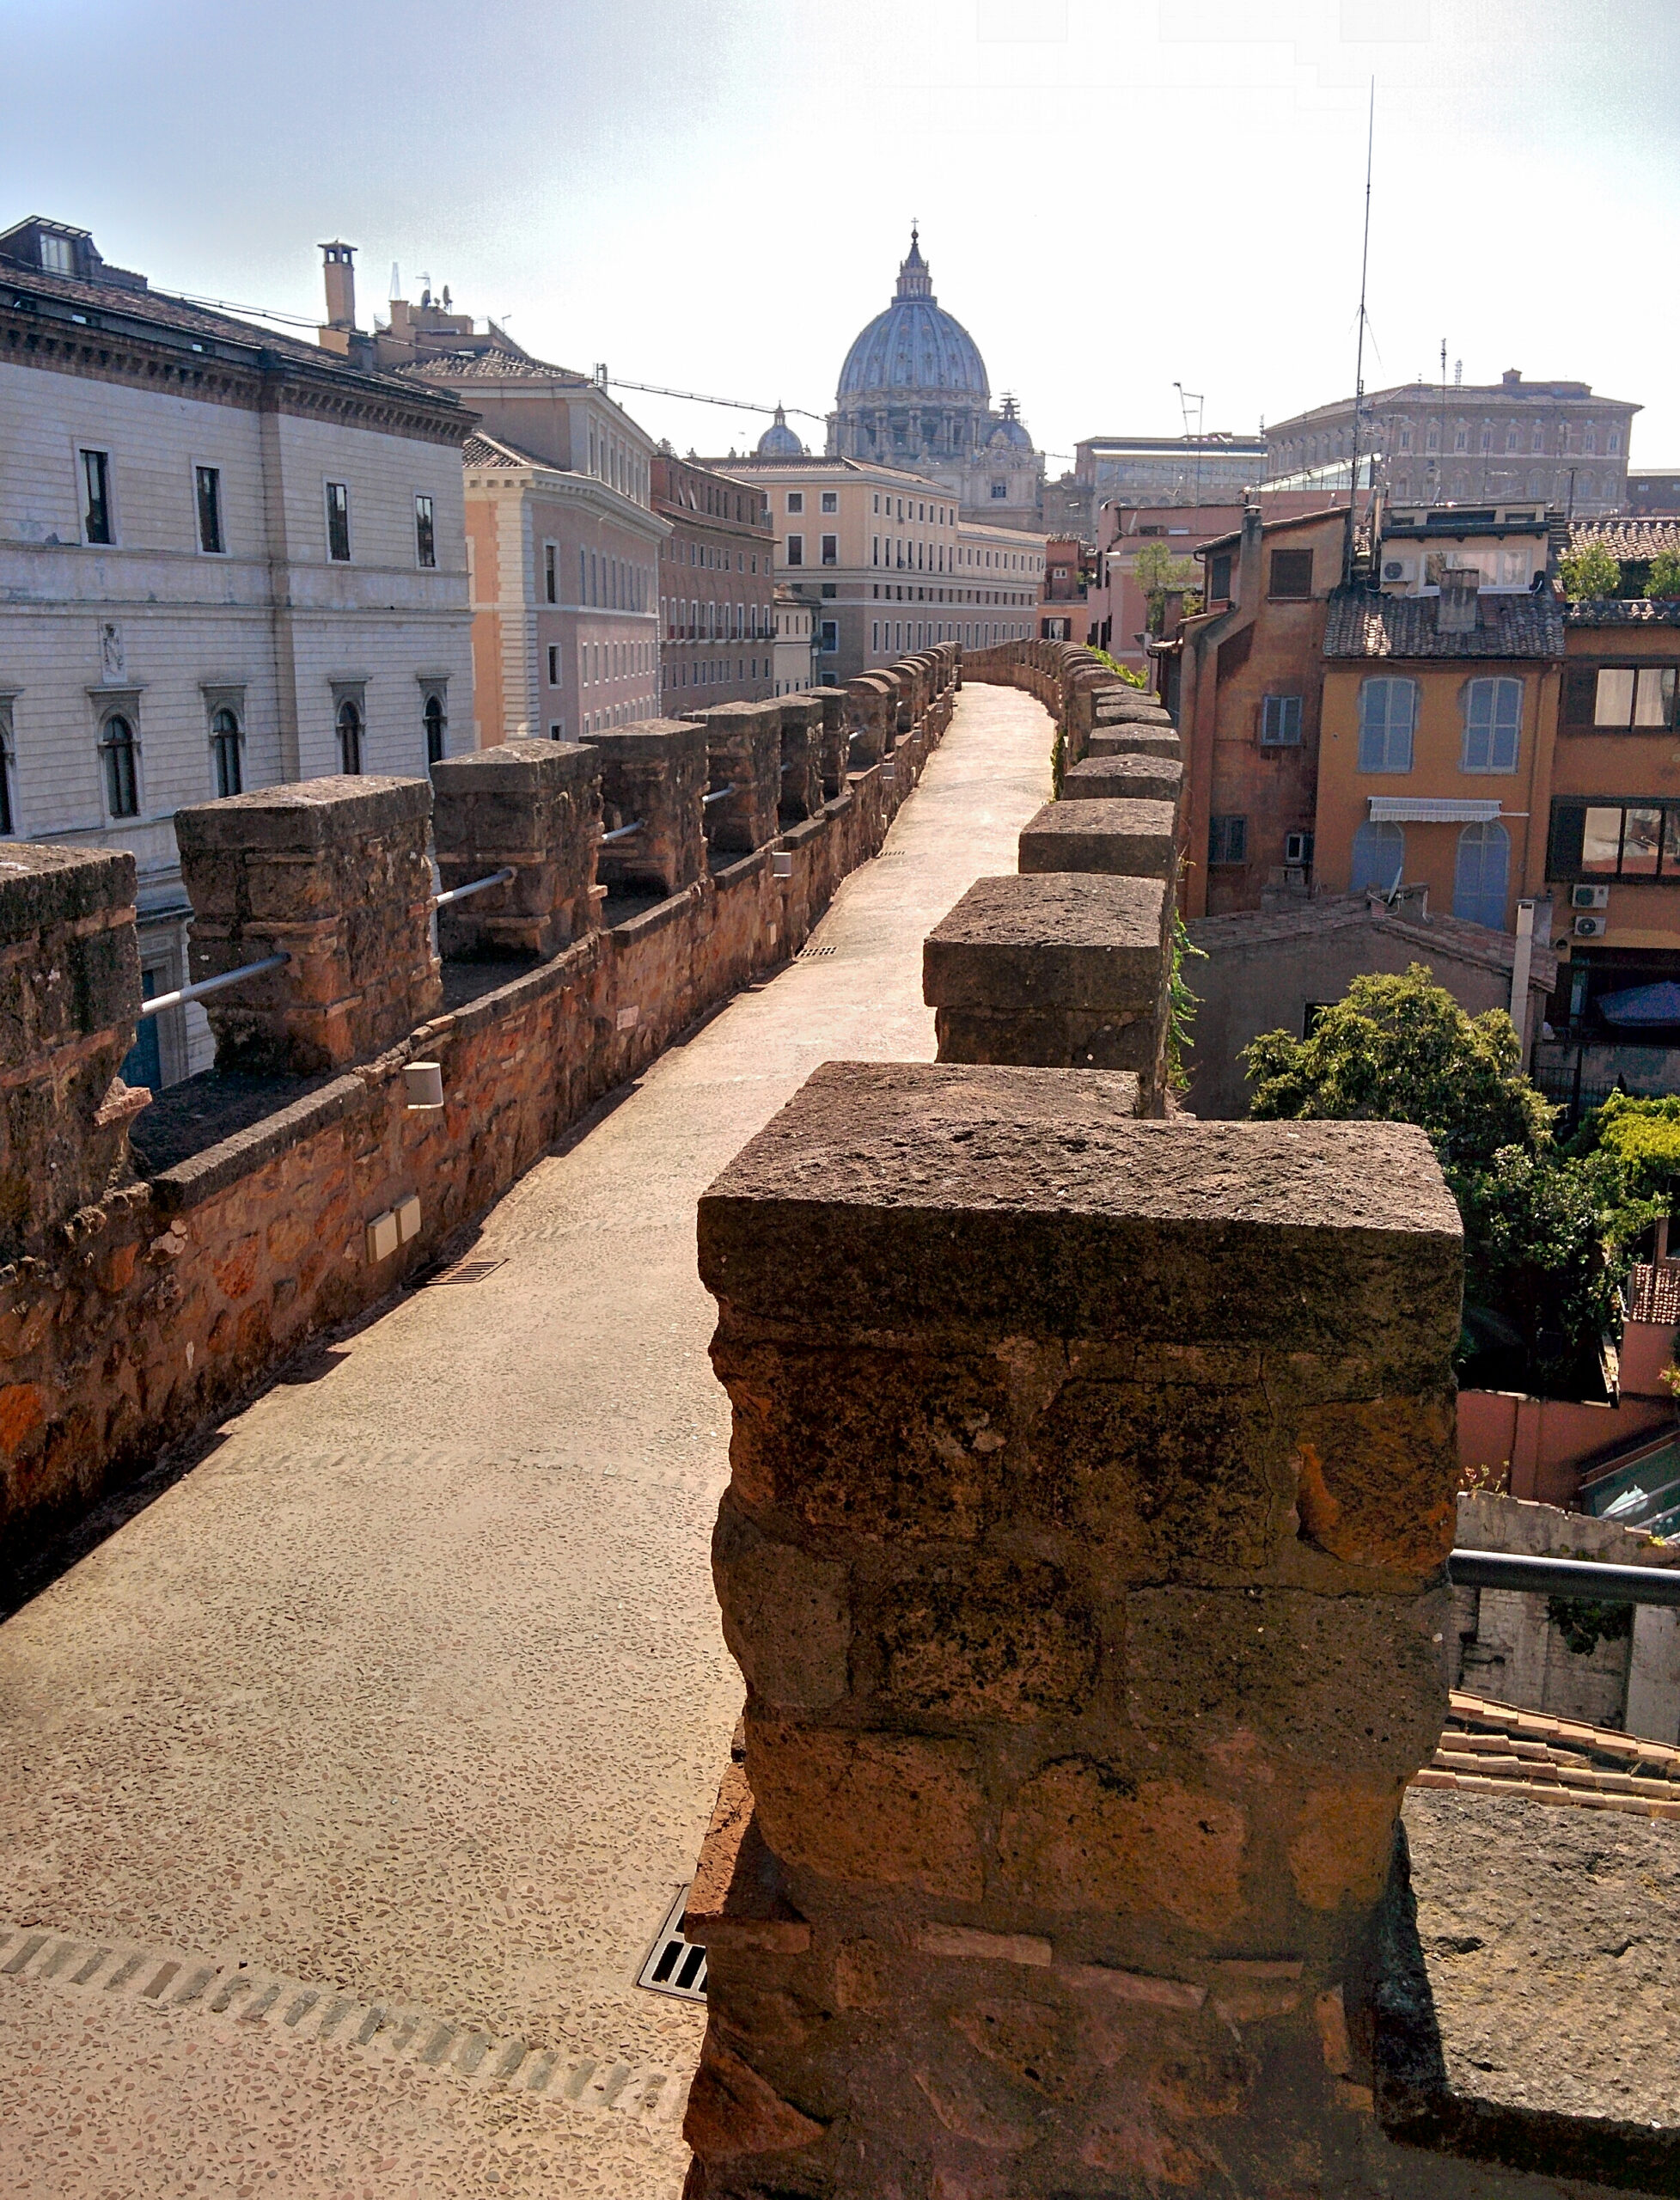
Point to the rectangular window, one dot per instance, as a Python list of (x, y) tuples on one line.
[(1280, 722), (553, 665), (96, 497), (830, 637), (426, 533), (1227, 840), (1290, 575), (874, 636), (796, 500), (1493, 724), (795, 550), (831, 549), (1218, 578), (207, 482), (1628, 699), (1388, 714), (7, 815), (831, 500), (1633, 840), (551, 571), (337, 522)]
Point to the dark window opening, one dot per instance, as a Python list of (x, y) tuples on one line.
[(96, 496), (350, 738), (1280, 722), (337, 523), (1218, 578), (122, 776), (224, 754), (1291, 574), (1227, 840), (426, 533), (208, 480), (436, 725)]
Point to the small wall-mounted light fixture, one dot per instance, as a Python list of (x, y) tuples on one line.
[(781, 863), (425, 1083)]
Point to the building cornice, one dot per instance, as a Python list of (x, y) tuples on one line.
[(217, 370), (571, 489)]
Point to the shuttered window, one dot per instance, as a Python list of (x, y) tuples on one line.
[(1291, 574), (1388, 715), (1493, 724)]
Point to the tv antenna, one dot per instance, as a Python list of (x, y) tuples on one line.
[(1358, 354), (1187, 398)]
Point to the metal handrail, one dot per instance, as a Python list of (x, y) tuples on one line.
[(721, 794), (1564, 1577), (477, 886), (623, 832), (160, 1001)]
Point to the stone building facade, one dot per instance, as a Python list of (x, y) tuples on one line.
[(715, 580), (560, 510), (228, 558), (1555, 441), (854, 539), (914, 393), (793, 660)]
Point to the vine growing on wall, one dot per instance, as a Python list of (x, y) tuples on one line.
[(1182, 1003)]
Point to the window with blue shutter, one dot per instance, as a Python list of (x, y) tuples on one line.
[(1493, 724), (1388, 716)]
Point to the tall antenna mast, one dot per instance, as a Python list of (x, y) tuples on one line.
[(1359, 352)]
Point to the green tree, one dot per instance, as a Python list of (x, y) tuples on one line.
[(1590, 571), (1401, 1050), (1157, 572), (1548, 1236), (1665, 579)]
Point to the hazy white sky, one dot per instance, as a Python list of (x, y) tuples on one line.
[(1115, 195)]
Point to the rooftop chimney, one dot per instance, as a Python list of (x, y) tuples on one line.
[(1456, 612), (337, 266), (1513, 377)]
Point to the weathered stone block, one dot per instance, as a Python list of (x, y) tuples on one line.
[(836, 735), (653, 775), (1123, 778), (801, 768), (1133, 740), (1123, 839), (332, 873), (530, 806), (70, 998), (744, 766), (889, 1811), (1064, 969), (872, 718), (1051, 1871)]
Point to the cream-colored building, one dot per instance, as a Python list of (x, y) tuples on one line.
[(794, 647), (226, 558), (887, 562)]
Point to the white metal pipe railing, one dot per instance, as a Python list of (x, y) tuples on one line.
[(476, 886), (211, 985)]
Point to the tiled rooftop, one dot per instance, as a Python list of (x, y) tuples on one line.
[(1489, 1747), (1612, 611), (1654, 1292), (493, 365), (1628, 539), (481, 449), (1363, 625)]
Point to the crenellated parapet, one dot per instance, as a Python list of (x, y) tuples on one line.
[(1091, 1484)]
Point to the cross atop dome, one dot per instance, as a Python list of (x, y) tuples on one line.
[(914, 279)]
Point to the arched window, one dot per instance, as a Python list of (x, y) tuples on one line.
[(1493, 724), (1481, 874), (437, 726), (1388, 713), (1379, 857), (350, 738), (224, 754), (122, 769)]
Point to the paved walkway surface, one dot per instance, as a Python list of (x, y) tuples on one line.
[(345, 1788)]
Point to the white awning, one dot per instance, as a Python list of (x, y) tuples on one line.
[(1429, 809)]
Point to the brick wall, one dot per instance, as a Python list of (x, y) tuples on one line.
[(129, 1321)]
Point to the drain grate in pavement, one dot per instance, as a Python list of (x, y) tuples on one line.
[(466, 1271), (233, 1994), (813, 954), (674, 1965)]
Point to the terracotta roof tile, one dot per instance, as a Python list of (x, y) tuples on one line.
[(1364, 624), (1627, 539), (492, 365), (1612, 611), (1654, 1293), (1490, 1748)]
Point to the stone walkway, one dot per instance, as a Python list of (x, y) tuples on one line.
[(346, 1786)]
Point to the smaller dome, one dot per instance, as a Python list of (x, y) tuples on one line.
[(779, 440), (1011, 429)]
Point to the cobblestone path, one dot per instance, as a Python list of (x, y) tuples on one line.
[(344, 1787)]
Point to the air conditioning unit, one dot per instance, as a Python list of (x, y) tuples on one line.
[(1591, 927), (1589, 897), (1394, 570)]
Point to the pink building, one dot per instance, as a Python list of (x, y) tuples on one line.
[(563, 545)]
